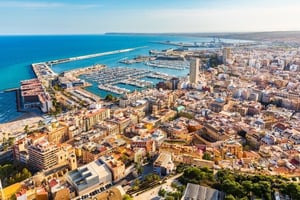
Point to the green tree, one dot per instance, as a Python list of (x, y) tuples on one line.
[(109, 97), (11, 141), (293, 190), (169, 198), (229, 197), (232, 187), (136, 184), (162, 192), (127, 197), (206, 156), (139, 169), (248, 186), (26, 128), (41, 123), (25, 173)]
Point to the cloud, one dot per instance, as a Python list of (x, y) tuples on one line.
[(41, 5)]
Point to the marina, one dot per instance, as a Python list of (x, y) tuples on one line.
[(170, 64), (108, 78)]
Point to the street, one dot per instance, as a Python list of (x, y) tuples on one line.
[(152, 194)]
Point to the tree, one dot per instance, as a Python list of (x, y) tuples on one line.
[(26, 128), (232, 187), (206, 156), (229, 197), (248, 186), (11, 141), (293, 190), (162, 192), (41, 123), (109, 97), (149, 178), (26, 173), (127, 197), (136, 184), (139, 169), (169, 198)]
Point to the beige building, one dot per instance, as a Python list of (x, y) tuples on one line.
[(226, 54), (42, 154), (93, 117), (116, 167), (57, 132), (194, 71)]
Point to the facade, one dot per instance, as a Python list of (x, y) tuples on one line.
[(163, 165), (194, 71), (116, 167), (147, 144), (57, 132), (226, 54), (42, 155), (33, 95), (19, 151), (93, 117), (88, 176)]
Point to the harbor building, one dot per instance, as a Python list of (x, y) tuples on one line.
[(194, 71), (33, 95), (89, 176)]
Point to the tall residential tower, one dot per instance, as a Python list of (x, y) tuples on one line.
[(195, 71)]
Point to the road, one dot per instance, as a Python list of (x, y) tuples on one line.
[(152, 194)]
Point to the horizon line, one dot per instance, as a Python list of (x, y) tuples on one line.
[(120, 32)]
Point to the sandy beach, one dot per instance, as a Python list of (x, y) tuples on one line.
[(16, 126)]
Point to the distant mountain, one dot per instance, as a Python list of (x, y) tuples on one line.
[(287, 36)]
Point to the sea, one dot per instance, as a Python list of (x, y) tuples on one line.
[(17, 53)]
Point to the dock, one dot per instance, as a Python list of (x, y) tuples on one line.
[(64, 60), (11, 90), (43, 72), (137, 83), (107, 78), (113, 89), (178, 65)]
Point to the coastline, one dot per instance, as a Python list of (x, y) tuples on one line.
[(17, 125), (281, 36)]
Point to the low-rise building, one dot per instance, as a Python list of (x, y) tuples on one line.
[(163, 165), (89, 176), (199, 192)]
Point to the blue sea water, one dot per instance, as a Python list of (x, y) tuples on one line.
[(17, 53)]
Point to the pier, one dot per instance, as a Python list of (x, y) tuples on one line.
[(137, 82), (113, 88), (64, 60), (170, 64), (11, 90), (43, 72)]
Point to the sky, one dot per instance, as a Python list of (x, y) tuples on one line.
[(146, 16)]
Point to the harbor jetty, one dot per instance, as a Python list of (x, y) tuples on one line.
[(64, 60)]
